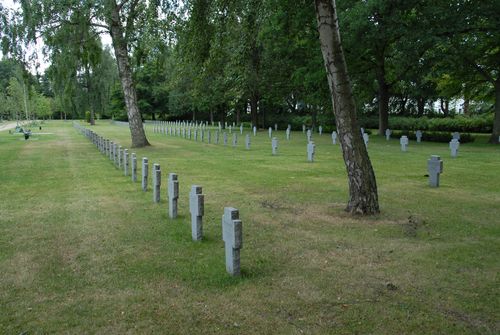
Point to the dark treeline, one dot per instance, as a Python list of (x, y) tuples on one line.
[(259, 61)]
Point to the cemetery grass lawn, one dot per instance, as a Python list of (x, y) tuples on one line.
[(84, 250)]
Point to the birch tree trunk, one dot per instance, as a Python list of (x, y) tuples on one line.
[(363, 197), (125, 73)]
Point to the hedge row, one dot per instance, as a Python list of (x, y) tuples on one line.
[(433, 136), (462, 124)]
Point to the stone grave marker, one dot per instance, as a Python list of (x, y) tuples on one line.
[(388, 133), (309, 135), (156, 183), (225, 138), (120, 150), (418, 134), (288, 134), (334, 137), (241, 129), (133, 164), (404, 142), (254, 131), (275, 127), (209, 137), (173, 195), (270, 132), (456, 136), (145, 168), (196, 208), (235, 140), (274, 144), (311, 149), (216, 137), (125, 162), (320, 130), (247, 142), (232, 235), (304, 128), (454, 145), (435, 168)]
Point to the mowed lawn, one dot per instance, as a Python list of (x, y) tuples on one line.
[(83, 250)]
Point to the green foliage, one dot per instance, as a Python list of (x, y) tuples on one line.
[(476, 124), (87, 116)]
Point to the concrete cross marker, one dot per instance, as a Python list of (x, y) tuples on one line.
[(435, 168), (288, 134), (274, 144), (156, 183), (418, 134), (388, 133), (404, 142), (270, 132), (456, 136), (216, 137), (311, 149), (320, 130), (232, 235), (134, 167), (125, 162), (196, 134), (254, 131), (202, 135), (334, 137), (454, 145), (173, 195), (309, 135), (145, 168), (247, 142), (225, 138), (241, 129), (235, 140), (196, 208)]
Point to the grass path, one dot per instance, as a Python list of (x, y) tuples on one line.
[(83, 250)]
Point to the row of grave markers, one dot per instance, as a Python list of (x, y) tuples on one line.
[(231, 224)]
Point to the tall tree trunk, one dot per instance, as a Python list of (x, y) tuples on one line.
[(445, 107), (89, 101), (237, 116), (254, 102), (496, 122), (125, 73), (383, 102), (314, 118), (363, 197), (420, 106), (466, 106)]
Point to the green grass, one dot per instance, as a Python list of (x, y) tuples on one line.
[(84, 250)]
